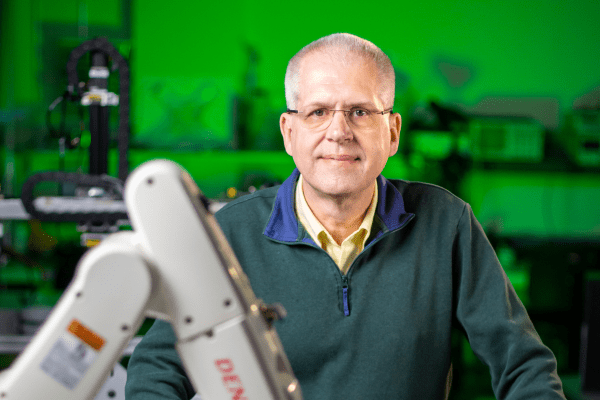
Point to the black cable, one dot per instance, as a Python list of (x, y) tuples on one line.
[(112, 185), (53, 132)]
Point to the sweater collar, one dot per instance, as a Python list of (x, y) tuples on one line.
[(283, 224)]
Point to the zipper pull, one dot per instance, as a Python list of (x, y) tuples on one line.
[(345, 295)]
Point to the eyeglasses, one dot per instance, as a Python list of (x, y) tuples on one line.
[(320, 118)]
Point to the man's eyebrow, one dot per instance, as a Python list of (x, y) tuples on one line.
[(318, 104), (364, 104), (348, 106)]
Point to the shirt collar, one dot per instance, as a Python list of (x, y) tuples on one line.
[(315, 229), (283, 225)]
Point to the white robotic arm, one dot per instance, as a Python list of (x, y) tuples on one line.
[(175, 265)]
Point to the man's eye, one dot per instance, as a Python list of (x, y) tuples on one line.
[(359, 112), (317, 113)]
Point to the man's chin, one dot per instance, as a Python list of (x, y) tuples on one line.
[(342, 188)]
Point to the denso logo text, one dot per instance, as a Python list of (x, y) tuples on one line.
[(231, 380)]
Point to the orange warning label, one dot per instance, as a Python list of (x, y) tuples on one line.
[(90, 337)]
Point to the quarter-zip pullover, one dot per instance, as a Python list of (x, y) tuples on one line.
[(383, 330)]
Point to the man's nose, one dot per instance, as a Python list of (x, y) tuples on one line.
[(339, 130)]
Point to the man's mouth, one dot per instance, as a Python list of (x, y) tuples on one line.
[(341, 158)]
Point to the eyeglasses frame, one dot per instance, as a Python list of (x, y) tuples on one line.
[(346, 113)]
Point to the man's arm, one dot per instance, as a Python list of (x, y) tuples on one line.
[(155, 371), (496, 322)]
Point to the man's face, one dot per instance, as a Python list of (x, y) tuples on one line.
[(339, 161)]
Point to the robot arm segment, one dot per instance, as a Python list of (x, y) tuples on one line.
[(88, 329), (227, 345)]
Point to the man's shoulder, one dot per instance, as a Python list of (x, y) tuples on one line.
[(257, 205), (422, 196)]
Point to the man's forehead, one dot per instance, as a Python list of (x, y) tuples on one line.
[(328, 98), (325, 79), (334, 58)]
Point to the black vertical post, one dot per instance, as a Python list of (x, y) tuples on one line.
[(99, 115), (99, 143)]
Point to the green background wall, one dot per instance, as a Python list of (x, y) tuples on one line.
[(190, 60), (193, 53)]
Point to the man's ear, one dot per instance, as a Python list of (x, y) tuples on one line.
[(395, 125), (285, 126)]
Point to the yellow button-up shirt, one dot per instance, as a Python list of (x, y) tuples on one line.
[(343, 254)]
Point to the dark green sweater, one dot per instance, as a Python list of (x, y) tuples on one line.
[(383, 331)]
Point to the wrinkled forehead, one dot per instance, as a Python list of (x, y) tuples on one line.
[(334, 78)]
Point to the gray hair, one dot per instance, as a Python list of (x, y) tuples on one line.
[(343, 44)]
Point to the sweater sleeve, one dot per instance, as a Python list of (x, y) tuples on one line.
[(496, 322), (155, 371)]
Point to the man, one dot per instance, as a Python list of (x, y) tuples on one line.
[(373, 273)]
